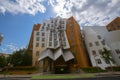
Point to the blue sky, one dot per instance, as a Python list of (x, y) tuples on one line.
[(17, 17)]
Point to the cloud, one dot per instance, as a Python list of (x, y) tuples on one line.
[(22, 6), (11, 47), (86, 12)]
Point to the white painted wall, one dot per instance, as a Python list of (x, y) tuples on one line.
[(90, 36)]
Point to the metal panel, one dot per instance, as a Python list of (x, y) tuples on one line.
[(46, 53), (67, 55), (58, 53)]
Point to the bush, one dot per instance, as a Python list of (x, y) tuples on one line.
[(92, 69), (23, 68), (115, 68)]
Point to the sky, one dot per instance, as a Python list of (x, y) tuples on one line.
[(17, 17)]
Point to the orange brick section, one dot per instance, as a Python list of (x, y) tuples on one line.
[(36, 27), (76, 44), (114, 25)]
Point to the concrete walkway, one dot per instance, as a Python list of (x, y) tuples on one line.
[(38, 74)]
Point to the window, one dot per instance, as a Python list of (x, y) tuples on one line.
[(37, 53), (47, 28), (119, 57), (48, 25), (90, 45), (64, 43), (42, 27), (63, 22), (94, 53), (50, 38), (50, 43), (37, 33), (37, 39), (117, 51), (43, 34), (97, 43), (43, 44), (43, 39), (99, 37), (108, 62), (36, 63), (98, 61), (56, 42), (118, 26), (51, 21), (37, 44), (100, 52), (103, 42)]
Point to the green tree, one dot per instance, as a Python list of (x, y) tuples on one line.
[(27, 60), (2, 61), (20, 58), (106, 54)]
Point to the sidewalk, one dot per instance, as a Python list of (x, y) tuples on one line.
[(107, 74), (29, 75), (38, 74)]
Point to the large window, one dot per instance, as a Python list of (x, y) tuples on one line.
[(94, 53), (100, 51), (90, 44), (43, 39), (43, 34), (108, 62), (43, 44), (37, 44), (99, 37), (37, 33), (50, 43), (37, 53), (97, 43), (37, 39), (103, 42), (98, 61), (117, 51)]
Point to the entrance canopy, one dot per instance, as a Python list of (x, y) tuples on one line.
[(67, 55)]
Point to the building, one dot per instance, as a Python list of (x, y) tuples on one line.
[(36, 27), (5, 55), (98, 37), (114, 25), (95, 42), (113, 39), (58, 44)]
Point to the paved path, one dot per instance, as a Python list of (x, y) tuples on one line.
[(99, 76)]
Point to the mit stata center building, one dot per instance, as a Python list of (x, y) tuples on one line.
[(60, 43)]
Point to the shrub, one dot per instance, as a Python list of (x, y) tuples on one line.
[(92, 69), (115, 68), (23, 68)]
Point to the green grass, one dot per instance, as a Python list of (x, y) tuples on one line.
[(63, 76)]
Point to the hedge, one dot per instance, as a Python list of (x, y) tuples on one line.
[(92, 69), (22, 68), (114, 68)]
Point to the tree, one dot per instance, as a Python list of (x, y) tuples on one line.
[(2, 61), (20, 58), (106, 54)]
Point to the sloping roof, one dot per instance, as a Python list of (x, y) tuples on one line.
[(46, 53), (67, 55)]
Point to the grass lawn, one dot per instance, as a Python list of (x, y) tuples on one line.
[(63, 76)]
